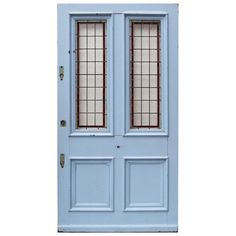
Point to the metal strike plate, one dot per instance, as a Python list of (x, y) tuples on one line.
[(63, 123), (62, 160), (61, 72)]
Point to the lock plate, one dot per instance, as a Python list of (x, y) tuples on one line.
[(62, 160)]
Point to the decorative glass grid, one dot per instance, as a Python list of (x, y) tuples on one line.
[(91, 74), (145, 75)]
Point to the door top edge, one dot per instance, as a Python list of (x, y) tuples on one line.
[(118, 8)]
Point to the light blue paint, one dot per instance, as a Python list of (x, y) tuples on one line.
[(97, 172), (145, 183), (93, 163)]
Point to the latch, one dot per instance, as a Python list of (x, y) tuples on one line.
[(62, 160)]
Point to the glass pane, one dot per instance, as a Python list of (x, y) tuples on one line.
[(145, 74), (91, 74)]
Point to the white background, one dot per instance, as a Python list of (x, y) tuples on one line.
[(207, 166)]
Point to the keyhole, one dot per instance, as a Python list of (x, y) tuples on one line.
[(118, 146)]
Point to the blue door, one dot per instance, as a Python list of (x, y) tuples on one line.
[(117, 117)]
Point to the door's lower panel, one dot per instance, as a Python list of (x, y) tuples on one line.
[(91, 184), (117, 194), (145, 183)]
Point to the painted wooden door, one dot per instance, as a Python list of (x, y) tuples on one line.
[(117, 117)]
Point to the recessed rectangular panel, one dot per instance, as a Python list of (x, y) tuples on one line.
[(91, 184), (145, 180)]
